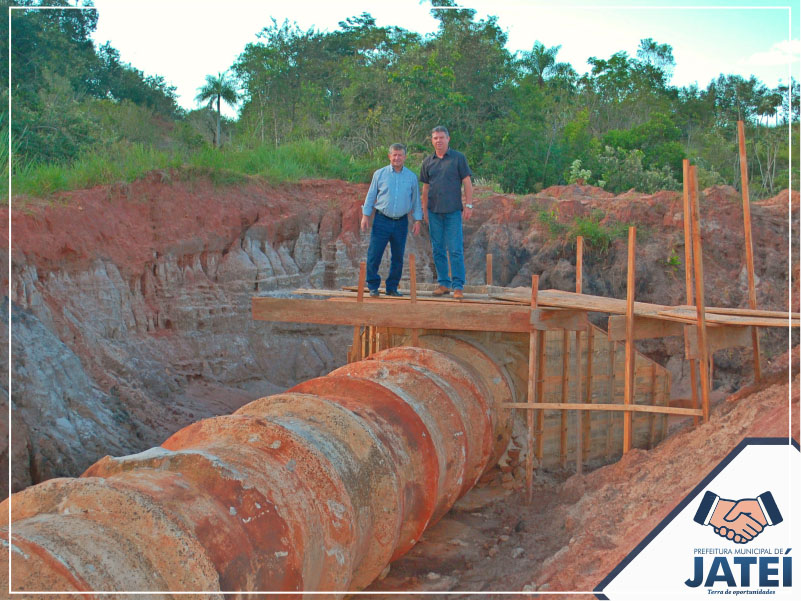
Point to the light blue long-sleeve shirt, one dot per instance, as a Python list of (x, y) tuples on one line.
[(394, 193)]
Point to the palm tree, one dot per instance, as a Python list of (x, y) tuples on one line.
[(220, 88), (541, 61)]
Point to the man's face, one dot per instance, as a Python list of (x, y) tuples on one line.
[(440, 141), (397, 158)]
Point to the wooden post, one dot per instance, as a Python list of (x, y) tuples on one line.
[(356, 349), (579, 414), (489, 269), (588, 394), (688, 276), (413, 295), (652, 417), (611, 383), (565, 388), (628, 391), (749, 246), (700, 306), (541, 393), (579, 438), (533, 363)]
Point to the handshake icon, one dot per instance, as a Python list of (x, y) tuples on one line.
[(739, 521)]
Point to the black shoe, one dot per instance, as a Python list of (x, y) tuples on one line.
[(393, 293), (375, 293)]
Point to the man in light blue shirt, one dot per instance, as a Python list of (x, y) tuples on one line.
[(393, 193)]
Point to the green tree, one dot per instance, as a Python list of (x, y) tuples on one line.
[(215, 90)]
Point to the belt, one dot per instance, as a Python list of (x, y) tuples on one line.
[(388, 217)]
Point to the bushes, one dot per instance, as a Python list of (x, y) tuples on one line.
[(623, 170), (122, 161), (597, 235)]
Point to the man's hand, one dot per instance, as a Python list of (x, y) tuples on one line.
[(467, 213), (365, 222), (416, 228)]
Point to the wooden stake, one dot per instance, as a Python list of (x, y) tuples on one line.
[(413, 295), (588, 393), (489, 269), (611, 379), (700, 306), (652, 417), (579, 414), (749, 246), (533, 363), (579, 429), (688, 276), (356, 349), (565, 388), (541, 393), (628, 391)]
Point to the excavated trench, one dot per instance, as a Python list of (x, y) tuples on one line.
[(131, 310)]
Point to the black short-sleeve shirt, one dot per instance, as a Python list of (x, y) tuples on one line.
[(444, 178)]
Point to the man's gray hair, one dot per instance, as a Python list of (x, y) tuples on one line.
[(397, 146), (441, 129)]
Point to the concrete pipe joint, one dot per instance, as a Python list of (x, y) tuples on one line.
[(314, 489)]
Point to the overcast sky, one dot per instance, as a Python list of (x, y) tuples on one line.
[(184, 40)]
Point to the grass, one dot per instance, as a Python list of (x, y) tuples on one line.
[(232, 166), (597, 236)]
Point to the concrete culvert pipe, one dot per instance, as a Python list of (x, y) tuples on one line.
[(314, 489)]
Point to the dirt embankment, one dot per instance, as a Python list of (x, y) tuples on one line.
[(131, 303), (578, 528)]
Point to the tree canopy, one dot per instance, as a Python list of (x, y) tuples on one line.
[(523, 119)]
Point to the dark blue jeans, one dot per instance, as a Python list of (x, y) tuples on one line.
[(446, 241), (392, 231)]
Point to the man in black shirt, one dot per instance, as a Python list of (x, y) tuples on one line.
[(443, 174)]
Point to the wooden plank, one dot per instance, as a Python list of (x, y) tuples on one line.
[(586, 302), (474, 317), (628, 390), (604, 407), (644, 327), (413, 294), (749, 245), (698, 265), (558, 319), (784, 315), (728, 319), (533, 362), (347, 295), (718, 338)]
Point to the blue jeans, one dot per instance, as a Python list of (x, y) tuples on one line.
[(392, 231), (446, 239)]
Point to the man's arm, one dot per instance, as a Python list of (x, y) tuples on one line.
[(424, 203), (468, 196), (369, 202), (417, 208)]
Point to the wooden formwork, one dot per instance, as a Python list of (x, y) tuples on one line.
[(602, 383)]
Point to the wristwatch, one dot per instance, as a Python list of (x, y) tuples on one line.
[(469, 206)]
